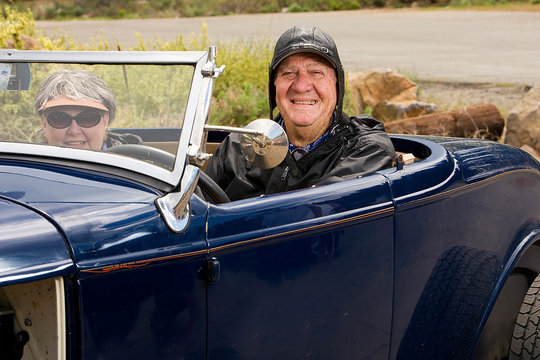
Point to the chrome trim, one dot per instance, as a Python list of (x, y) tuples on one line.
[(233, 130), (174, 207), (210, 72), (103, 57), (197, 85)]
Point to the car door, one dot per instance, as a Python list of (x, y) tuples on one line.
[(306, 273), (151, 307)]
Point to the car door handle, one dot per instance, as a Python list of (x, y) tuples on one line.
[(213, 270)]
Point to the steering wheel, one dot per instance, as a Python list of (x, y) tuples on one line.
[(166, 160), (211, 189), (147, 153)]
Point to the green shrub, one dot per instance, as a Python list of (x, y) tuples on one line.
[(353, 5), (190, 8), (269, 9), (240, 94), (239, 105), (294, 7), (14, 25)]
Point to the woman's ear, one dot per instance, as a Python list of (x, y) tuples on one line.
[(43, 121), (106, 119)]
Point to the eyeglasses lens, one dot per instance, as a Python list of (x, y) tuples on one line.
[(85, 119)]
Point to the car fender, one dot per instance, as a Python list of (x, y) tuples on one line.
[(31, 247), (521, 266)]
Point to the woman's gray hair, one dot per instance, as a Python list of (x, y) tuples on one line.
[(76, 84)]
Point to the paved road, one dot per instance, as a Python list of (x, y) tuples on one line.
[(473, 46)]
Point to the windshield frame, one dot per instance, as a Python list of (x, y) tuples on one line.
[(41, 153)]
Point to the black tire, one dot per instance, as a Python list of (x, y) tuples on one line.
[(451, 306), (526, 336)]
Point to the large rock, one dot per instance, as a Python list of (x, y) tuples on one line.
[(22, 42), (523, 121), (369, 87), (475, 121), (390, 111), (530, 150)]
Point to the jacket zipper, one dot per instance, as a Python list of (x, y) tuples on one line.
[(285, 173)]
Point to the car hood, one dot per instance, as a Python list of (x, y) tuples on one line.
[(103, 219), (31, 248)]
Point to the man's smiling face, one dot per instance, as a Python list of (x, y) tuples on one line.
[(306, 93)]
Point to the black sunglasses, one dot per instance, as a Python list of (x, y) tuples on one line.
[(85, 119)]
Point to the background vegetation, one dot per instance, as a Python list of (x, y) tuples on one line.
[(66, 9), (240, 94)]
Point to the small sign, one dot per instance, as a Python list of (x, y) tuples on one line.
[(5, 75)]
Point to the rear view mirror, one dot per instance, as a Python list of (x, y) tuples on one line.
[(14, 76)]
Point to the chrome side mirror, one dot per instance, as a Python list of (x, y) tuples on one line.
[(264, 143), (268, 147)]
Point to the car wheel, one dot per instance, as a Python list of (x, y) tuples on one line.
[(526, 336), (450, 306)]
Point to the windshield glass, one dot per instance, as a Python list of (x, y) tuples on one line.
[(94, 107)]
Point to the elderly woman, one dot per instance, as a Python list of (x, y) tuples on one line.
[(76, 108)]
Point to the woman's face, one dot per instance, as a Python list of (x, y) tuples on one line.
[(75, 135)]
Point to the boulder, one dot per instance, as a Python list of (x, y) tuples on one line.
[(530, 150), (475, 121), (523, 121), (369, 87), (389, 110), (22, 42)]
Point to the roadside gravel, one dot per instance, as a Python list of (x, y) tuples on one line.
[(450, 95)]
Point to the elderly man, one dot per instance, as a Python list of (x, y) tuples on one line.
[(306, 83)]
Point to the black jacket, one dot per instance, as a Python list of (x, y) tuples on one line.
[(114, 139), (358, 147)]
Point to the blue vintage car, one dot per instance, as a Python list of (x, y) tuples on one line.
[(118, 254)]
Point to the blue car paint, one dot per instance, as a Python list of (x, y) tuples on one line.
[(465, 220), (31, 248), (424, 237), (275, 245), (113, 224), (431, 230), (302, 262), (360, 259), (154, 298)]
